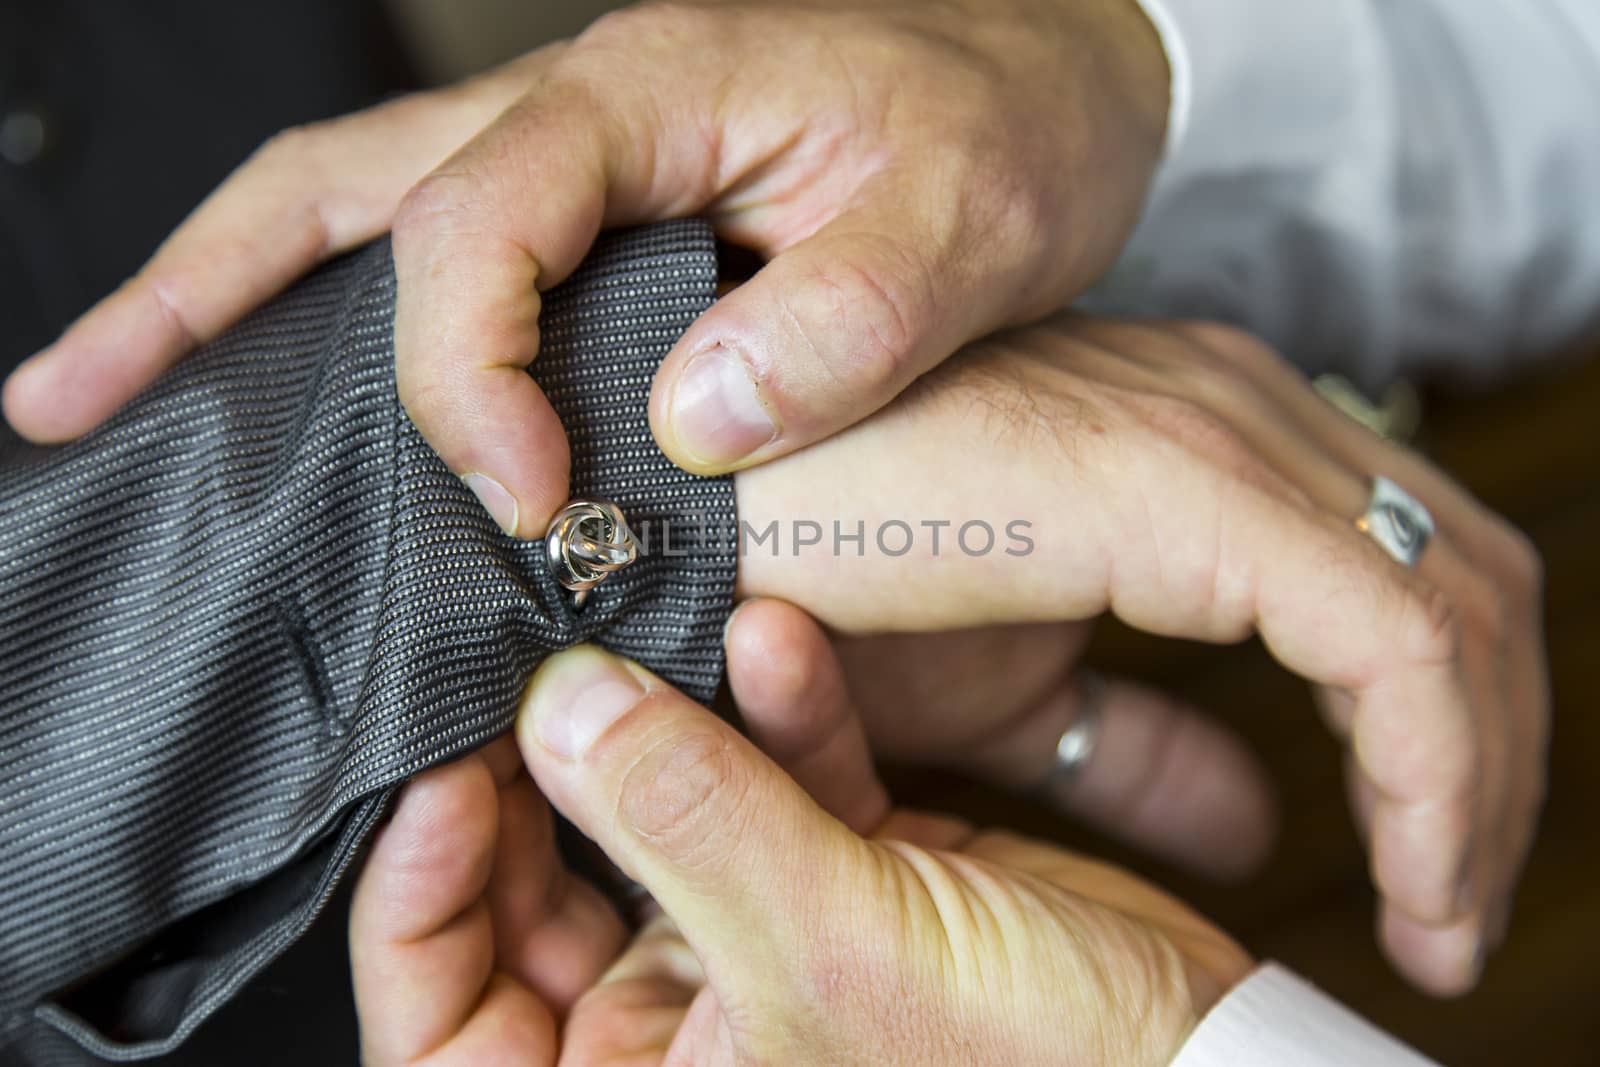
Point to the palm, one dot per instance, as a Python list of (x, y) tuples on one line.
[(1083, 926)]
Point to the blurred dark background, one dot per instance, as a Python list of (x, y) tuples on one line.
[(117, 119)]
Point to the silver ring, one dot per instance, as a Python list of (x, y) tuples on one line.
[(1397, 521), (586, 543), (1077, 744)]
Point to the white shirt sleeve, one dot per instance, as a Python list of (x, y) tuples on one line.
[(1376, 185), (1274, 1019)]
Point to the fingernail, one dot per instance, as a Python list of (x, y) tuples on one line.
[(496, 500), (727, 625), (577, 695), (717, 414)]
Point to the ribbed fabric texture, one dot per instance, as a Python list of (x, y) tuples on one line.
[(235, 617)]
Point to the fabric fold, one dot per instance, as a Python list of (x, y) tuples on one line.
[(255, 601)]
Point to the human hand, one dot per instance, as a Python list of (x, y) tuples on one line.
[(881, 157), (1188, 480), (787, 937), (469, 938), (993, 702)]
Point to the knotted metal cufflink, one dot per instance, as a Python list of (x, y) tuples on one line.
[(588, 541)]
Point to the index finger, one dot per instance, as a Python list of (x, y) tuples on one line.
[(422, 946), (476, 243), (1210, 547), (791, 690), (309, 193)]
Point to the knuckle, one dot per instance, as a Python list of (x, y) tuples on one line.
[(879, 309), (1215, 352), (1014, 207), (685, 798), (425, 206), (1230, 352), (444, 206), (1492, 607), (447, 801), (1221, 386), (1224, 340), (290, 147), (1201, 430), (1522, 561), (428, 401), (1431, 631), (650, 24), (1508, 591)]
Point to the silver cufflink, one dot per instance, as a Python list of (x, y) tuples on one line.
[(587, 541)]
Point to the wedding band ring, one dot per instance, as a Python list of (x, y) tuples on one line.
[(1077, 744), (1397, 521)]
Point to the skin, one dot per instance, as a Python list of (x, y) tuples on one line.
[(879, 156), (772, 925), (1186, 479), (992, 702), (785, 934)]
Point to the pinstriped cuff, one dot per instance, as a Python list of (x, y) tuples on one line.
[(238, 615)]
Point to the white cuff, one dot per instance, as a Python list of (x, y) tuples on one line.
[(1261, 85), (1276, 1019), (1182, 77)]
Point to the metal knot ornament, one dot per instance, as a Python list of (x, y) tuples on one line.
[(587, 542)]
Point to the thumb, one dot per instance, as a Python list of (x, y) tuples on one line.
[(730, 847), (829, 331)]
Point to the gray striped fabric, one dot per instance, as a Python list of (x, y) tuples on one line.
[(236, 616)]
